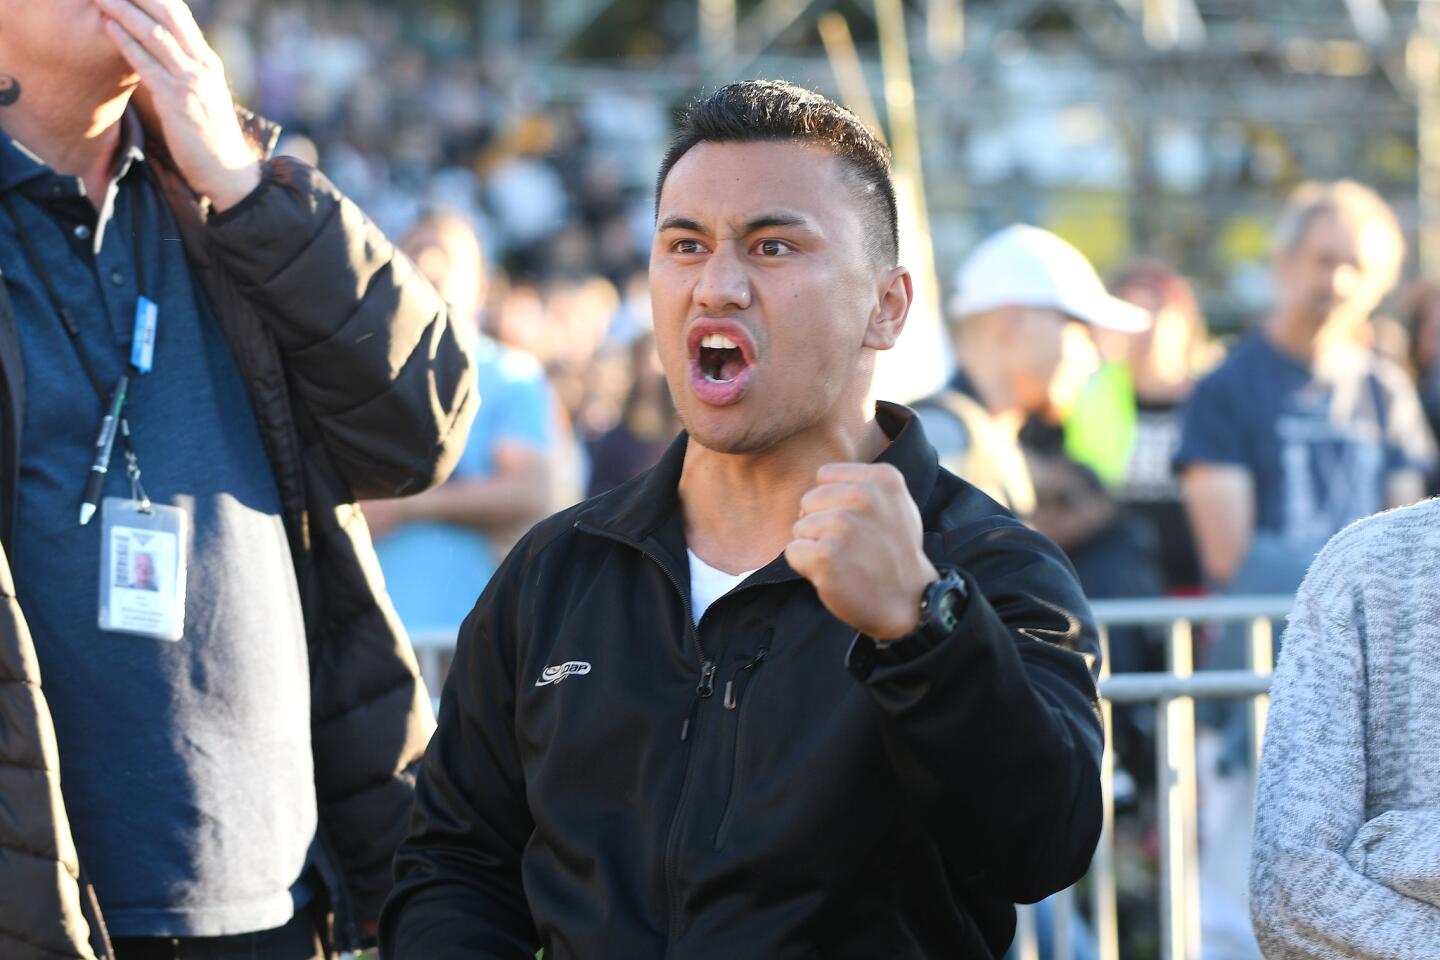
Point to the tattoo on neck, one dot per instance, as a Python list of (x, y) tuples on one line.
[(9, 90)]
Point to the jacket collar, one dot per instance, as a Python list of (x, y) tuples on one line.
[(646, 511)]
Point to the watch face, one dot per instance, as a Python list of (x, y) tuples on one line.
[(941, 606), (945, 609)]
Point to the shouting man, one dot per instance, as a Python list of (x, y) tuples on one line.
[(797, 691), (221, 753)]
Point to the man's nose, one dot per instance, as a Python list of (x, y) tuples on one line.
[(724, 284)]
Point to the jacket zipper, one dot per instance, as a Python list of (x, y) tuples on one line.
[(703, 691), (732, 702), (688, 728)]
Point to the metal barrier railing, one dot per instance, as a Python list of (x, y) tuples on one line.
[(1174, 694)]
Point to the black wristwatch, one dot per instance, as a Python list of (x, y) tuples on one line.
[(941, 606)]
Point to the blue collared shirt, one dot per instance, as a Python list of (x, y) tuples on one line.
[(186, 766)]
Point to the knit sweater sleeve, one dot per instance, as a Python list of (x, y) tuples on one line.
[(1325, 882)]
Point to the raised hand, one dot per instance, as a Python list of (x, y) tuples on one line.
[(185, 82), (858, 540)]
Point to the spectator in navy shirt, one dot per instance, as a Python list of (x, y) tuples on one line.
[(226, 765), (1304, 428)]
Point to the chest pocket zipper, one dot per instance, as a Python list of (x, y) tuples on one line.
[(733, 689)]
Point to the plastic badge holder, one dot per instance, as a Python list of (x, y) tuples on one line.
[(143, 569)]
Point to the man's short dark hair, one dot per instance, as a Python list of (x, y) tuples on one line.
[(754, 111)]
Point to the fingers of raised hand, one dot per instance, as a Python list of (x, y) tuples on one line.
[(176, 17), (882, 475), (809, 558), (835, 524), (157, 42), (150, 70), (836, 496)]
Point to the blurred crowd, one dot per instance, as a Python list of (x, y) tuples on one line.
[(532, 212), (557, 192), (1162, 460)]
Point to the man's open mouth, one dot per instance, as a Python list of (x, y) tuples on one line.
[(721, 359)]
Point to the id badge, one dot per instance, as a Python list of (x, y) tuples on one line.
[(142, 569)]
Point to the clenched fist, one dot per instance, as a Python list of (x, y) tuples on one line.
[(858, 540)]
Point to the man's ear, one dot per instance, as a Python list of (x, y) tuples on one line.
[(887, 320)]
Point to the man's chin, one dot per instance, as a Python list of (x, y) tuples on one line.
[(734, 439)]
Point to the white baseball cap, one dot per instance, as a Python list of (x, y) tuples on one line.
[(1024, 266)]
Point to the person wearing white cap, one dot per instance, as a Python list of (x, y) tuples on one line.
[(1013, 297)]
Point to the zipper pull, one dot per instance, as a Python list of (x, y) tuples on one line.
[(705, 689), (731, 698), (685, 727)]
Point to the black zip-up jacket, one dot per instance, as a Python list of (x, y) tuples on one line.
[(609, 781)]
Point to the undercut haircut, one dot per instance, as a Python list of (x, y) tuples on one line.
[(756, 111)]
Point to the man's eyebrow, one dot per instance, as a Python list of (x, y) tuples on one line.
[(681, 223), (767, 220), (764, 221)]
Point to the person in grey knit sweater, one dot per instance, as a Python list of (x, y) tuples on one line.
[(1346, 860)]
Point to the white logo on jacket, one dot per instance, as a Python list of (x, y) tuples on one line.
[(560, 671)]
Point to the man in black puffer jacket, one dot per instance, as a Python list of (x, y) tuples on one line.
[(684, 723), (237, 745)]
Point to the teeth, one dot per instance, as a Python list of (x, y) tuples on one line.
[(718, 341)]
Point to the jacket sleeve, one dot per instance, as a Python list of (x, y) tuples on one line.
[(994, 730), (369, 344), (458, 890), (1325, 883)]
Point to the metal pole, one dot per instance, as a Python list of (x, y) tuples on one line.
[(1206, 685), (1102, 867), (1260, 658), (1027, 945), (1062, 942), (917, 364), (849, 74), (1179, 840), (1163, 612)]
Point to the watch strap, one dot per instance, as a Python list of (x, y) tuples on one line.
[(866, 653)]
